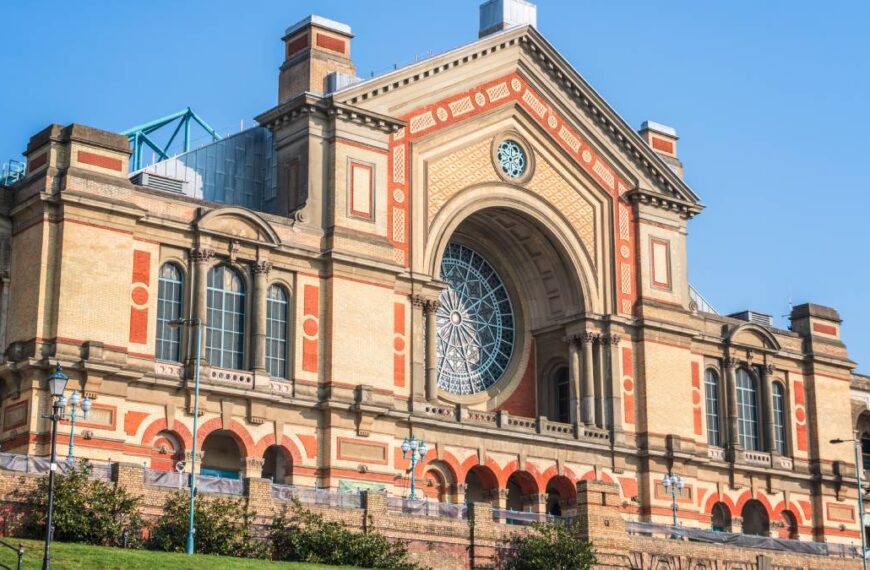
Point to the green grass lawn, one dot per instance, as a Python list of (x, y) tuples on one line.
[(80, 556)]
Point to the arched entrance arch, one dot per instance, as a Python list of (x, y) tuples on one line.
[(439, 481), (522, 492), (721, 517), (507, 254), (480, 483), (561, 495), (277, 465), (516, 205), (221, 456), (755, 518)]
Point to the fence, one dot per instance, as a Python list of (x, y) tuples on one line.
[(742, 540), (425, 508), (314, 496), (204, 483), (39, 465), (521, 518)]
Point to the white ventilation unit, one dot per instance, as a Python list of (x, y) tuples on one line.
[(754, 317), (152, 180)]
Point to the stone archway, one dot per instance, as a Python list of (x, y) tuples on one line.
[(277, 465), (480, 484), (221, 456), (755, 519)]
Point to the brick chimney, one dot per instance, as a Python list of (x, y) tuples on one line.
[(663, 140), (313, 48)]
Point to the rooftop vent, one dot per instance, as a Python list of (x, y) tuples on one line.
[(158, 182), (338, 80), (498, 15), (754, 317)]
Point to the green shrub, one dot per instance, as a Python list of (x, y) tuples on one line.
[(552, 545), (303, 536), (223, 526), (85, 510)]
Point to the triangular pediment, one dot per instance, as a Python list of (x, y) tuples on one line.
[(555, 84)]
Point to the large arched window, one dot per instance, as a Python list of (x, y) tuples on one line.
[(225, 334), (747, 410), (276, 332), (170, 291), (711, 395), (778, 397)]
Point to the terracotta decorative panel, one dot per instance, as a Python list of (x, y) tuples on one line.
[(361, 186), (310, 327), (399, 343), (139, 296)]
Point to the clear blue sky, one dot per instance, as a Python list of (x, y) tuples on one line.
[(770, 100)]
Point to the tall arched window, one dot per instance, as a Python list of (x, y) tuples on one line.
[(778, 397), (711, 395), (747, 410), (276, 332), (170, 291), (225, 334)]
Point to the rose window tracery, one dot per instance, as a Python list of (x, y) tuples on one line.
[(475, 323), (512, 159)]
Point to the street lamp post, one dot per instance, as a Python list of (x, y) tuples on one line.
[(74, 401), (56, 385), (858, 468), (417, 452), (197, 325), (673, 483)]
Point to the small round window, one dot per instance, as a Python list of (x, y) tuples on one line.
[(512, 159)]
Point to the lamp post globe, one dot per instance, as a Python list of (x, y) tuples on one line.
[(57, 381)]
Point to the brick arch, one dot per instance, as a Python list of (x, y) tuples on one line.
[(178, 429), (565, 486), (447, 461), (590, 476), (503, 473), (236, 430), (791, 507), (526, 480), (553, 471), (725, 500), (758, 496), (286, 444)]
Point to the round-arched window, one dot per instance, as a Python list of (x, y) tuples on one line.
[(512, 158), (475, 323)]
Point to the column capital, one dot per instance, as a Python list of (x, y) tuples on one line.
[(261, 267), (201, 254), (613, 339), (769, 369), (730, 362), (589, 337), (428, 305), (253, 463)]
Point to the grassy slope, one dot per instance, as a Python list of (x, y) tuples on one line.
[(80, 556)]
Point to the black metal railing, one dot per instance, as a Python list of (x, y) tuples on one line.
[(19, 551)]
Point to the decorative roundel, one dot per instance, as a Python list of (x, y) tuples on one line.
[(475, 323), (512, 159)]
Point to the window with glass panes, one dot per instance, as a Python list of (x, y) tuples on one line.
[(778, 397), (225, 333), (276, 332), (711, 396), (747, 410), (170, 291)]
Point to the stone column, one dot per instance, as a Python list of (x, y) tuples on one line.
[(587, 403), (574, 375), (538, 503), (614, 403), (201, 256), (260, 269), (767, 408), (429, 311), (418, 349), (730, 365), (600, 347)]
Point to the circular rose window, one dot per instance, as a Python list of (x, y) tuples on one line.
[(475, 323), (512, 159)]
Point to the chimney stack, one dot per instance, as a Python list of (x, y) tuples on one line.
[(498, 15), (313, 48), (663, 140)]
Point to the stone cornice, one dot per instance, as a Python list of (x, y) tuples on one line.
[(684, 208), (309, 104)]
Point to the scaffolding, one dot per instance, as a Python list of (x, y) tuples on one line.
[(11, 172), (141, 136)]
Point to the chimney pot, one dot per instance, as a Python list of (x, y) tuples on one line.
[(314, 48), (663, 140)]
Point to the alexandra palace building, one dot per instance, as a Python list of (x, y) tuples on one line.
[(474, 249)]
